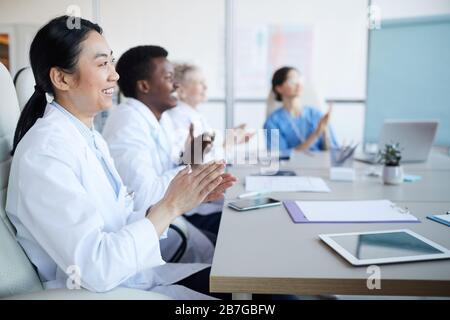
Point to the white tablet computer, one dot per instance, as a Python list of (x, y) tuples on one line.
[(380, 247)]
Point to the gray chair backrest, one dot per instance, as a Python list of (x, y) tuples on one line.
[(24, 82), (17, 274)]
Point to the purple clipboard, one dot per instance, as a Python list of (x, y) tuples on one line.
[(297, 216)]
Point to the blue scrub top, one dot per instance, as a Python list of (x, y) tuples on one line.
[(295, 130)]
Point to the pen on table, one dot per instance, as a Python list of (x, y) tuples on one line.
[(347, 153), (253, 194)]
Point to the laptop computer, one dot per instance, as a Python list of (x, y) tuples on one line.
[(414, 136)]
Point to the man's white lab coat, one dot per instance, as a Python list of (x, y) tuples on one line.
[(146, 158)]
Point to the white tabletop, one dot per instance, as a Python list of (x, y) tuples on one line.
[(438, 160), (263, 251), (433, 186)]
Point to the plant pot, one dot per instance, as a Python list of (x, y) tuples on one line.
[(393, 174)]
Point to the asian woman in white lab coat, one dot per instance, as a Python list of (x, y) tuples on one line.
[(72, 213)]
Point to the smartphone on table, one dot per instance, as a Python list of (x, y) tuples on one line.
[(250, 204)]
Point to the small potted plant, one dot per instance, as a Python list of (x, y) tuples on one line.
[(392, 170)]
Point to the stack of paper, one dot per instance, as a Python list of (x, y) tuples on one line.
[(285, 184)]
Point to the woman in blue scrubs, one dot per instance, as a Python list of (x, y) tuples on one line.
[(300, 128)]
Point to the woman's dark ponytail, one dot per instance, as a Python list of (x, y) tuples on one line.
[(57, 44), (33, 110)]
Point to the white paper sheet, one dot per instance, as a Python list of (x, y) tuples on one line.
[(354, 211), (285, 184)]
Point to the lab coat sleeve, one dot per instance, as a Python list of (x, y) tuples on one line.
[(131, 148), (136, 215), (181, 123), (58, 212)]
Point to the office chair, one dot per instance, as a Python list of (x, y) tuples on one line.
[(182, 248), (24, 83), (18, 277)]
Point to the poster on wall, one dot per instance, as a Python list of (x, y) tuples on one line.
[(259, 51)]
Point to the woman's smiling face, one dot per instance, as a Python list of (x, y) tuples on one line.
[(95, 78)]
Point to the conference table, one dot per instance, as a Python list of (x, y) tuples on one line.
[(438, 160), (263, 251)]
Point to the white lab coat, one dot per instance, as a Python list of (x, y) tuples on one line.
[(146, 159), (67, 214), (183, 115)]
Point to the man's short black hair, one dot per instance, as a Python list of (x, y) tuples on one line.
[(135, 64)]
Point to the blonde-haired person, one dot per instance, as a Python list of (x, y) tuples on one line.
[(192, 92)]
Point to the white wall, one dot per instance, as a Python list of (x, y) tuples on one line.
[(193, 31), (340, 38), (393, 9), (339, 54), (189, 30), (39, 12), (22, 18)]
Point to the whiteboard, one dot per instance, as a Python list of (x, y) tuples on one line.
[(409, 74)]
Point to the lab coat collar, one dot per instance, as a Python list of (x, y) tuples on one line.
[(87, 133), (52, 111), (90, 136), (194, 116), (64, 121), (146, 113), (185, 108), (156, 126)]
